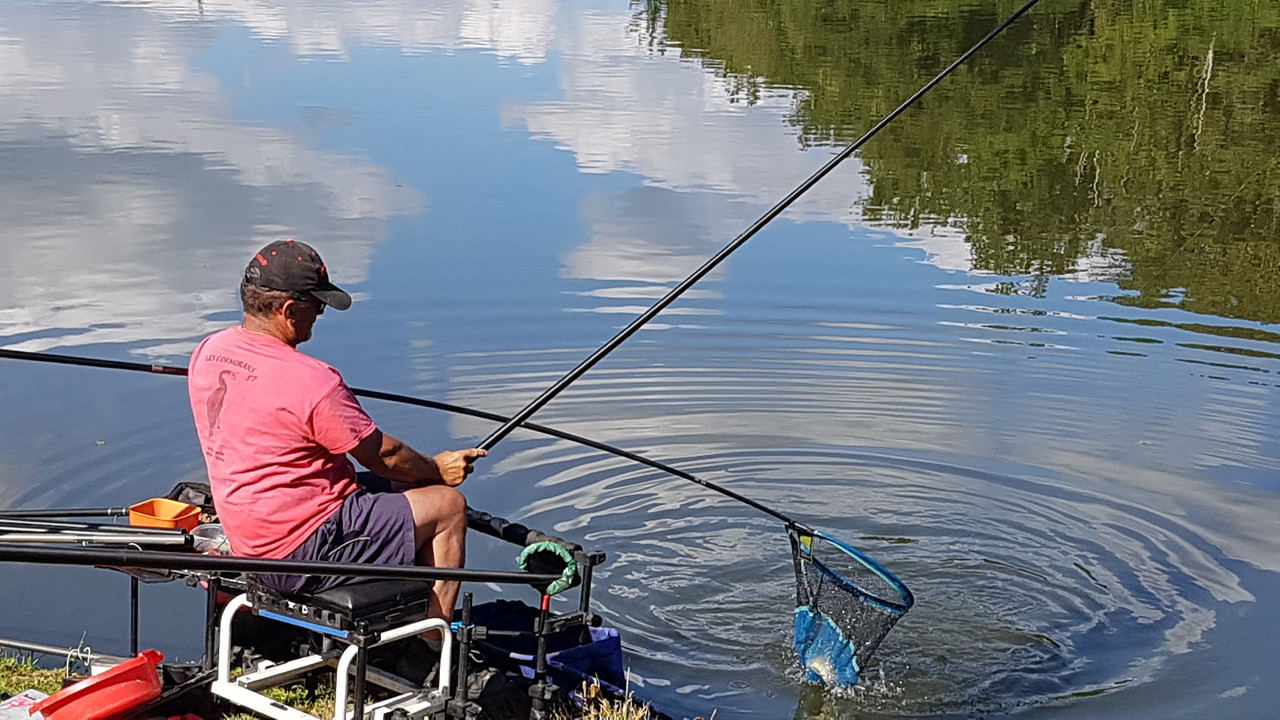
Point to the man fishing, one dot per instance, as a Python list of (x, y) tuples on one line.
[(279, 429)]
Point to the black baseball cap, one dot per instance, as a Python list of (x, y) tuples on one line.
[(294, 267)]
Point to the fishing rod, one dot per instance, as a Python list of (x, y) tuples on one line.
[(70, 512), (28, 521), (839, 645), (521, 419), (536, 404), (374, 395), (91, 538), (159, 560)]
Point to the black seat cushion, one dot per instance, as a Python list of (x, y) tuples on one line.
[(378, 604), (372, 596)]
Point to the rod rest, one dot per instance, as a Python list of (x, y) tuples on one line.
[(368, 606), (523, 536)]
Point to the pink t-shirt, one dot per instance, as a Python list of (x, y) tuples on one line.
[(275, 426)]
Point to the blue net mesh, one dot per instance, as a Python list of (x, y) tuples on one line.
[(846, 603)]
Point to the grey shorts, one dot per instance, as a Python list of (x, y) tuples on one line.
[(374, 526)]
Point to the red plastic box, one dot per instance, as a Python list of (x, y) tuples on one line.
[(108, 695)]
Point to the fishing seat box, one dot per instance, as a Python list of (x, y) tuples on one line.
[(360, 616), (370, 606)]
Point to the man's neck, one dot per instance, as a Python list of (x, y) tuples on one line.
[(275, 326)]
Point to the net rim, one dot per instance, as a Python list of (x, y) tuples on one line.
[(906, 598)]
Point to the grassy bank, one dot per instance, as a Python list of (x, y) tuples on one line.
[(20, 673)]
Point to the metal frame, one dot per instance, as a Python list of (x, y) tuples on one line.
[(219, 573), (244, 690)]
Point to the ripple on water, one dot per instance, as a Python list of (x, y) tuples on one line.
[(1031, 588)]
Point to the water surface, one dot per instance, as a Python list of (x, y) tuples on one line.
[(1021, 349)]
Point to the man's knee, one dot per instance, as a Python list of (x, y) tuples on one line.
[(453, 504), (437, 505)]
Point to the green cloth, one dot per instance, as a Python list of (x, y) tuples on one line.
[(548, 558)]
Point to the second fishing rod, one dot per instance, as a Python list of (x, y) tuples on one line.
[(521, 418), (158, 369)]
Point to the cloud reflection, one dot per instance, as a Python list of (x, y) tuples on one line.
[(132, 196), (676, 126), (519, 29)]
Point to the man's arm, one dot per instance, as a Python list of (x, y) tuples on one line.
[(388, 457)]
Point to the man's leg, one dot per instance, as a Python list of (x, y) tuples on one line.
[(440, 534)]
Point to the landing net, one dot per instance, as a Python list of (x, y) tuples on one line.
[(846, 603)]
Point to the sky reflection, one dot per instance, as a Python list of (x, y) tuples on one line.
[(134, 197), (504, 185), (139, 154)]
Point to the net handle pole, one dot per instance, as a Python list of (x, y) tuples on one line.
[(547, 395)]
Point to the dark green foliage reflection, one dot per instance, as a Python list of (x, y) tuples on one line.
[(1131, 142)]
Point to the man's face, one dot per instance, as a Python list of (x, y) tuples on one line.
[(302, 315)]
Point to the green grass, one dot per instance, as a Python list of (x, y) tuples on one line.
[(317, 701), (22, 673), (18, 674), (599, 707)]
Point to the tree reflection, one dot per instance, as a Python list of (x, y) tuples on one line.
[(1127, 142)]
